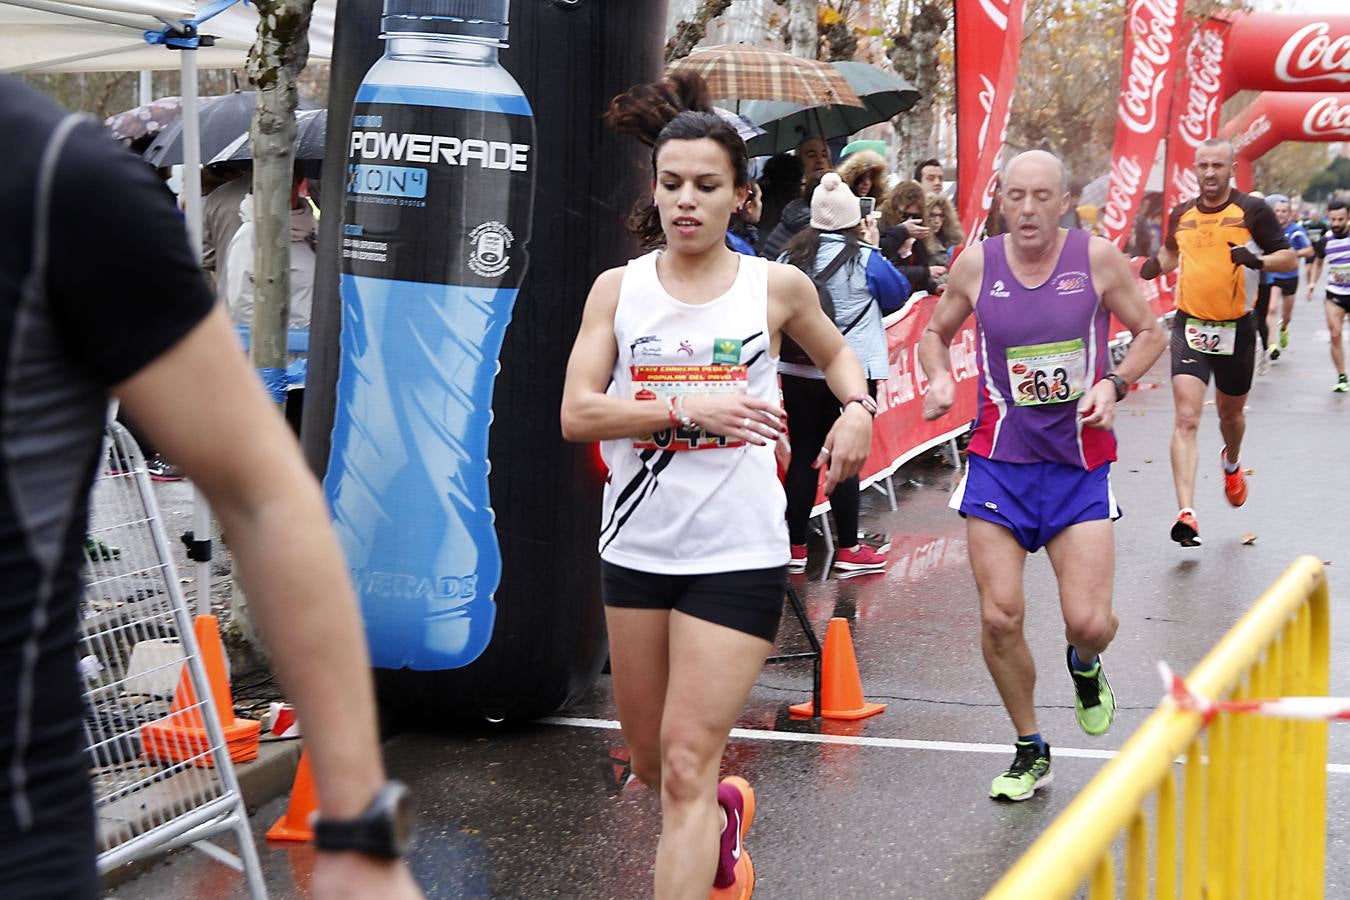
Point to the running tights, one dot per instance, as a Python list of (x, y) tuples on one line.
[(812, 410)]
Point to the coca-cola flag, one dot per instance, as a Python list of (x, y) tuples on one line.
[(1276, 52), (988, 49), (1148, 70), (1195, 109)]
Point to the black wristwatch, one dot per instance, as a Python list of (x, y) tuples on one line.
[(1121, 387), (382, 830)]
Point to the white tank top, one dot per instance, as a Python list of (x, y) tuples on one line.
[(679, 503)]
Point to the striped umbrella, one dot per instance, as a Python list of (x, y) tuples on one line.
[(743, 72)]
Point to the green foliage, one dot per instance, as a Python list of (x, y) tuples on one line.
[(1335, 177)]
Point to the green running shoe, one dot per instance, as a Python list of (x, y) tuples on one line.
[(1030, 770), (97, 549), (1094, 703), (1341, 385), (1284, 338)]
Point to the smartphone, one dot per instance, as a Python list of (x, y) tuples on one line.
[(866, 205)]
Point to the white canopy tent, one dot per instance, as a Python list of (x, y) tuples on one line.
[(130, 35), (108, 35)]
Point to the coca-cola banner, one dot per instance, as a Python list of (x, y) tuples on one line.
[(1195, 108), (1277, 116), (899, 432), (988, 48), (1148, 71), (1274, 52)]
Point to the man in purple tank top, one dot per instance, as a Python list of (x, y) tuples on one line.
[(1042, 447)]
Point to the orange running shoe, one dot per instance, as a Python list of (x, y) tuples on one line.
[(1185, 530), (1234, 484)]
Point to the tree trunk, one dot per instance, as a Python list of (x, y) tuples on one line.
[(275, 60), (687, 33), (915, 56), (802, 28), (274, 63)]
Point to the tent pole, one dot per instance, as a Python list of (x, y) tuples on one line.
[(147, 90), (192, 209)]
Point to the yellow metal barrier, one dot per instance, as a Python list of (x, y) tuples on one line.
[(1253, 800)]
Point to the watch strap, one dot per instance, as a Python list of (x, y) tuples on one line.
[(865, 401), (1122, 388)]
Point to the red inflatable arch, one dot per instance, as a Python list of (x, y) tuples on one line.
[(1278, 52), (1277, 116)]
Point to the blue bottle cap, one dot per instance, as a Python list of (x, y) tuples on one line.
[(466, 18)]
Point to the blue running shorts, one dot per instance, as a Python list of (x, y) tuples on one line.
[(1035, 501)]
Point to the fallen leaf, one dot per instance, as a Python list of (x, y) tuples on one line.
[(1326, 562), (1148, 460), (1248, 471), (1209, 402), (1249, 539)]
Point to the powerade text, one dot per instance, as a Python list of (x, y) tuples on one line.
[(434, 148)]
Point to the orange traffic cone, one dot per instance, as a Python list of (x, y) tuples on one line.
[(296, 825), (181, 736), (841, 686)]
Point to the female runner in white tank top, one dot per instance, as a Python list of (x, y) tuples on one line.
[(674, 370)]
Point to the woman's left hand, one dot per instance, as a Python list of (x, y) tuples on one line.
[(846, 446)]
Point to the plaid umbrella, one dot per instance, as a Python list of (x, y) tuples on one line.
[(883, 94), (742, 72)]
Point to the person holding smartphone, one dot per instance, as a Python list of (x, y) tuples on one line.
[(906, 238)]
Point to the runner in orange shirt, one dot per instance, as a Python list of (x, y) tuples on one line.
[(1213, 332)]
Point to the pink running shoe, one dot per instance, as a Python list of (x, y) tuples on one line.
[(737, 799)]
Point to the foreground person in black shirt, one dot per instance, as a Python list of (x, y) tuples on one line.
[(99, 297)]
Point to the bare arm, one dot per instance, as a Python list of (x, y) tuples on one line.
[(1280, 261), (1168, 259), (590, 414), (955, 306), (203, 405), (1115, 285), (795, 306)]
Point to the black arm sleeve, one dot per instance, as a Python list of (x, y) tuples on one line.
[(1320, 246), (1173, 219), (1264, 227), (123, 285)]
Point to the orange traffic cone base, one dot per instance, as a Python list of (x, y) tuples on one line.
[(862, 712)]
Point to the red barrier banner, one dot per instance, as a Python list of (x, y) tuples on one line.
[(1277, 116), (1195, 109), (1281, 52), (1153, 44), (988, 48), (899, 432)]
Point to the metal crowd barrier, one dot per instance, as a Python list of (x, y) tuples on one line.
[(1249, 816), (144, 677)]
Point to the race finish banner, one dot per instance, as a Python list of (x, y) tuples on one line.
[(1148, 69), (988, 49), (899, 432)]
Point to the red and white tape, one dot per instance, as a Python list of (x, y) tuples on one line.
[(1314, 708)]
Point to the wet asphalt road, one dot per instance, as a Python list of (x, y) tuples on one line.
[(538, 811)]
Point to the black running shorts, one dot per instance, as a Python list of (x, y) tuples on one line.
[(1232, 372), (1288, 284), (749, 601), (1341, 300)]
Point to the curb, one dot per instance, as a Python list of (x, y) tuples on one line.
[(261, 781)]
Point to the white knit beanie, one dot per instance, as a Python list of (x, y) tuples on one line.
[(833, 206)]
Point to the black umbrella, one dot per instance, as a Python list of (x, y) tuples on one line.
[(310, 128), (221, 120)]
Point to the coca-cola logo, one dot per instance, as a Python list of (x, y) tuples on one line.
[(987, 92), (1184, 184), (1259, 126), (1204, 65), (997, 11), (1312, 54), (1127, 177), (1327, 118), (1153, 26)]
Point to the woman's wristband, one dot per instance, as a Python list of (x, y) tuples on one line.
[(863, 400)]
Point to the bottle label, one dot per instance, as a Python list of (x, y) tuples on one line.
[(436, 194), (436, 220)]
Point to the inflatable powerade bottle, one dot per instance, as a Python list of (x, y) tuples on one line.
[(440, 179)]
